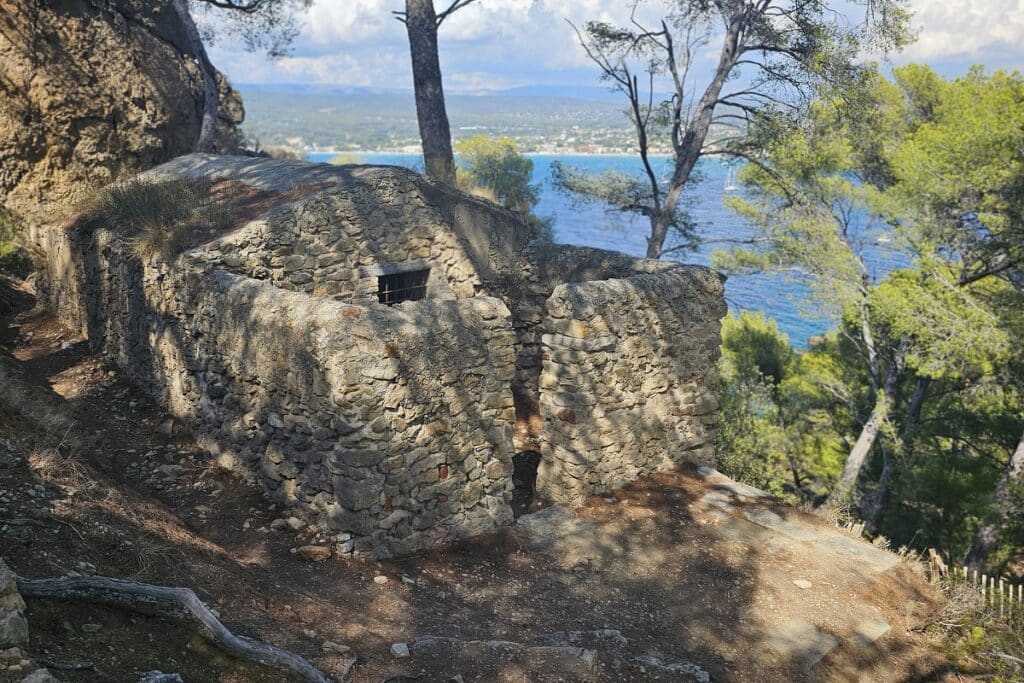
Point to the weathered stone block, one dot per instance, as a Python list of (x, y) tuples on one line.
[(358, 495)]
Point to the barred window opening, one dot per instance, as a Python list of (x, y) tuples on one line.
[(398, 287)]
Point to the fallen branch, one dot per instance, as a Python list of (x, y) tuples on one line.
[(179, 604), (1003, 655)]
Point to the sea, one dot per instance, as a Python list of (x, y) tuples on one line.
[(785, 297)]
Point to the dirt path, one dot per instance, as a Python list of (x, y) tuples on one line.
[(678, 577)]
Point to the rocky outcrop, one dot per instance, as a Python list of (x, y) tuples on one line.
[(13, 627), (92, 91)]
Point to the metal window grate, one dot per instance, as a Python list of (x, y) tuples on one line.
[(397, 287)]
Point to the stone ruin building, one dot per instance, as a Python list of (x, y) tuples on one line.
[(377, 349)]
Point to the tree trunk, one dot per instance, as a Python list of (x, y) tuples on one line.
[(987, 537), (656, 242), (868, 435), (690, 147), (858, 455), (435, 133), (913, 414), (179, 604), (211, 95)]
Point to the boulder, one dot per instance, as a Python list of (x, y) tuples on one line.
[(91, 93), (13, 625)]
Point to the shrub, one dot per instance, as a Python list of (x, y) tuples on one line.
[(346, 159), (11, 229), (282, 152), (496, 165), (495, 170), (980, 639)]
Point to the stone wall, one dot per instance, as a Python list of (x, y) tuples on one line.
[(359, 222), (394, 426), (389, 425), (543, 266), (628, 379), (61, 279)]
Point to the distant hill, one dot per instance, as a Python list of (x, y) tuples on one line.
[(579, 92), (317, 116), (543, 118)]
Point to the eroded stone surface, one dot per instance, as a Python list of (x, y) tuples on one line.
[(801, 642), (13, 625), (870, 630), (92, 93)]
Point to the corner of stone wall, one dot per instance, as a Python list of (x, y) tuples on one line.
[(629, 379)]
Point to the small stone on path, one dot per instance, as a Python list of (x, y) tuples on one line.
[(802, 584), (400, 650), (331, 646), (380, 579), (314, 553)]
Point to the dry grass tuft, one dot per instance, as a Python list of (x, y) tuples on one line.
[(20, 401), (962, 602), (465, 183), (60, 467), (158, 218), (283, 152)]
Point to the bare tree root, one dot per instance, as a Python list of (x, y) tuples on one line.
[(179, 604)]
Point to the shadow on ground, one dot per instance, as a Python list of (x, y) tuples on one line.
[(680, 579)]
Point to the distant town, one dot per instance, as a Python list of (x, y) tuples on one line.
[(385, 122)]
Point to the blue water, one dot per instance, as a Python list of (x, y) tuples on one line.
[(782, 297)]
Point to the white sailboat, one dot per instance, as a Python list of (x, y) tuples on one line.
[(730, 181)]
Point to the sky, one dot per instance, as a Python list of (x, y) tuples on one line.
[(497, 44)]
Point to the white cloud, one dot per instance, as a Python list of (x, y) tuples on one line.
[(496, 43), (971, 29)]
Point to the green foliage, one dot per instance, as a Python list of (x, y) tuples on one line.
[(11, 229), (346, 159), (938, 167), (751, 442), (962, 169), (618, 189), (951, 331), (626, 192), (494, 168), (752, 345), (777, 410), (979, 640), (497, 164)]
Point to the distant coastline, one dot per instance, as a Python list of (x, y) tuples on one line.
[(405, 152)]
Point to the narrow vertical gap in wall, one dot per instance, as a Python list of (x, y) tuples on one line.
[(524, 481), (527, 443)]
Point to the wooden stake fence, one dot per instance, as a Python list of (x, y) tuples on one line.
[(998, 593)]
